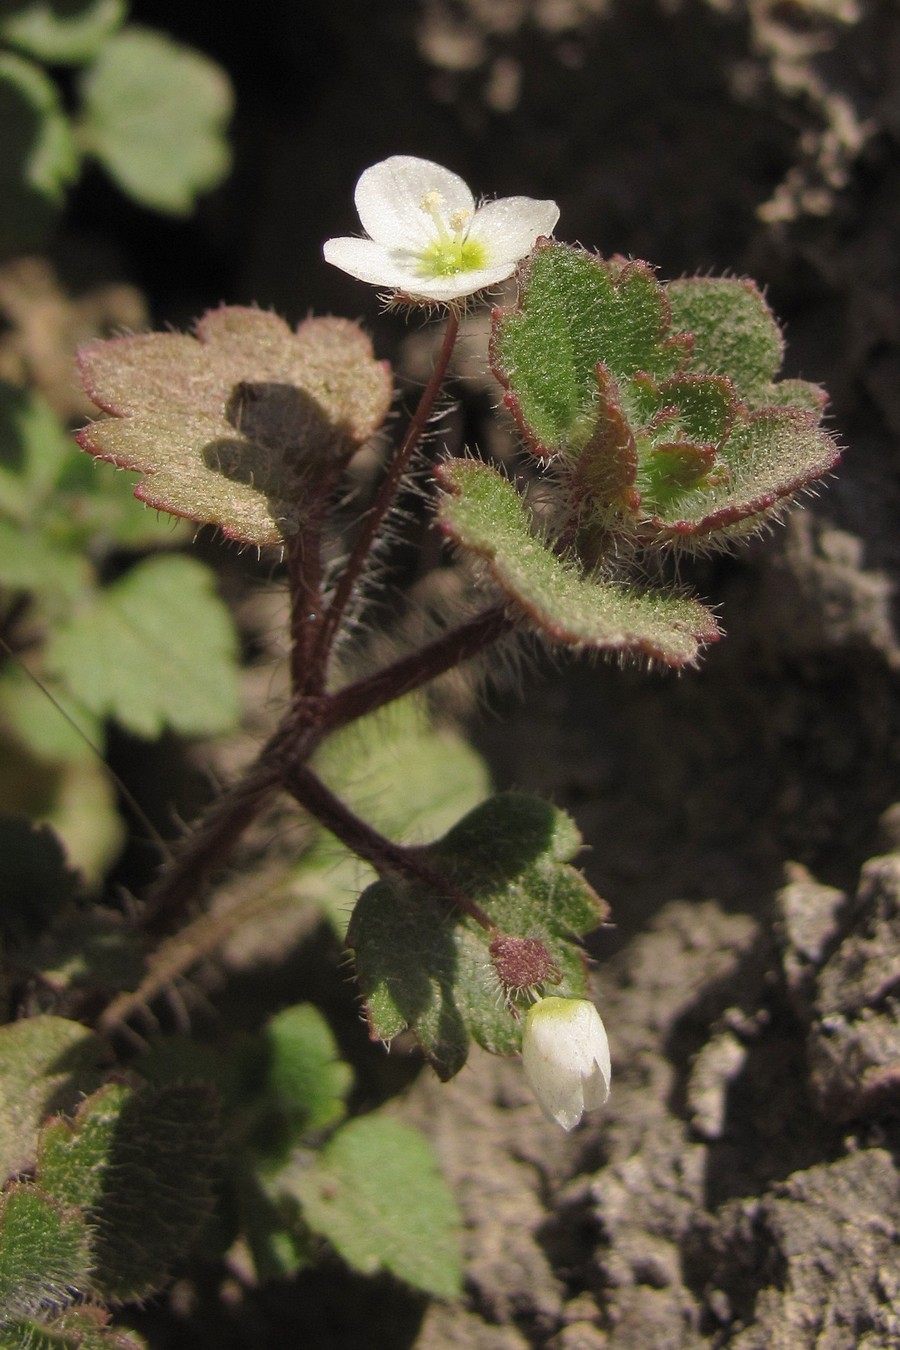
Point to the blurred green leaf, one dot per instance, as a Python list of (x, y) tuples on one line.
[(60, 32), (376, 1193), (35, 880), (154, 649), (408, 777), (154, 114), (306, 1082), (423, 966), (38, 158)]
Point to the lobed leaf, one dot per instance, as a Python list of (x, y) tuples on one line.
[(483, 513), (376, 1194), (154, 649), (574, 310), (662, 435), (235, 426), (423, 966), (154, 113)]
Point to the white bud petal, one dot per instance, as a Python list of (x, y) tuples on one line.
[(565, 1054)]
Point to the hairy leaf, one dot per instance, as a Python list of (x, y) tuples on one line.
[(139, 1163), (46, 1065), (441, 775), (422, 964), (660, 404), (238, 425), (44, 1253), (483, 512), (376, 1193)]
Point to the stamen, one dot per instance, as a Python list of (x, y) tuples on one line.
[(459, 222)]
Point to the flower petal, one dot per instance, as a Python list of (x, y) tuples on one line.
[(389, 200), (368, 261), (509, 227)]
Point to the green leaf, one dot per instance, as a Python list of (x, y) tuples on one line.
[(29, 564), (154, 649), (46, 1065), (306, 1082), (575, 310), (238, 426), (139, 1163), (767, 457), (425, 966), (661, 436), (483, 512), (60, 32), (441, 777), (376, 1194), (80, 1328), (38, 158), (734, 331), (54, 506), (44, 1252), (154, 114), (35, 881)]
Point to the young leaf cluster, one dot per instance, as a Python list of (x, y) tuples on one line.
[(658, 412)]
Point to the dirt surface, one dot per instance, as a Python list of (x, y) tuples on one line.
[(741, 1190)]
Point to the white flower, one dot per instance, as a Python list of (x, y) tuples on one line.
[(565, 1055), (426, 238)]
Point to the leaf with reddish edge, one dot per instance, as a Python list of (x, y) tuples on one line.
[(660, 436), (607, 466), (767, 458), (575, 310), (483, 513), (242, 425)]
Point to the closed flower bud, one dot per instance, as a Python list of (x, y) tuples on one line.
[(565, 1054)]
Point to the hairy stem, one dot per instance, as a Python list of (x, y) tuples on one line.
[(384, 498), (384, 855), (418, 668), (209, 846)]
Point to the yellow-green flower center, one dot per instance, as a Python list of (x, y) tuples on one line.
[(450, 253)]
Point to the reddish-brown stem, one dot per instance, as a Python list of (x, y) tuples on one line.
[(209, 846), (384, 498), (385, 856), (289, 749), (303, 555), (418, 668)]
